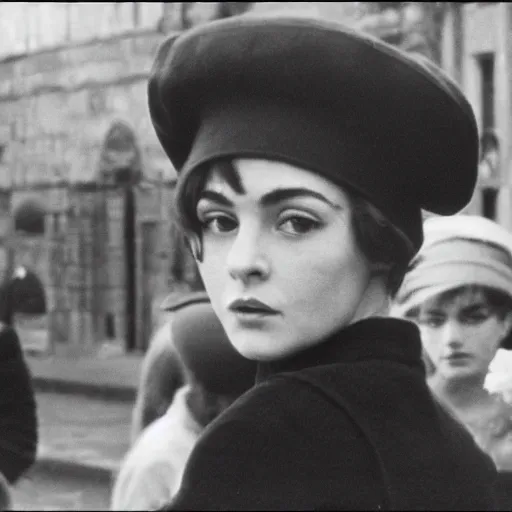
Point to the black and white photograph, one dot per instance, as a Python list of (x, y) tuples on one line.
[(255, 256)]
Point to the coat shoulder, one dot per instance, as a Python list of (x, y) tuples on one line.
[(267, 450), (10, 345)]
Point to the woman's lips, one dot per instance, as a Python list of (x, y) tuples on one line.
[(458, 357), (251, 307)]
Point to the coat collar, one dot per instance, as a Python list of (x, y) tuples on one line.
[(388, 339)]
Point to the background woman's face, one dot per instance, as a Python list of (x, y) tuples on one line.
[(461, 336), (285, 240)]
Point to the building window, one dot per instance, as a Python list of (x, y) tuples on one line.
[(29, 218), (486, 65), (489, 198), (110, 326), (489, 145), (136, 14)]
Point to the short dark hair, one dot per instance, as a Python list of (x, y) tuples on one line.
[(382, 243), (384, 246), (499, 301)]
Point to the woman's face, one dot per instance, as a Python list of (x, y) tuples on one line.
[(285, 240), (461, 336)]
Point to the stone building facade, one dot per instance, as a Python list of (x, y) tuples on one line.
[(78, 147)]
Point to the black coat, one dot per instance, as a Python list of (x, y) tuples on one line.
[(349, 424), (18, 419)]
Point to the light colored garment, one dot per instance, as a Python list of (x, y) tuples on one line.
[(5, 494), (160, 377), (151, 472), (499, 379), (492, 431)]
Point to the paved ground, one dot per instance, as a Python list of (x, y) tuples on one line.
[(82, 429), (57, 492), (118, 371)]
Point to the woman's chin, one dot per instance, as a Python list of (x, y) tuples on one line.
[(462, 372), (259, 346)]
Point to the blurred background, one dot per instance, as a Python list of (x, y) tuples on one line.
[(86, 224), (85, 190)]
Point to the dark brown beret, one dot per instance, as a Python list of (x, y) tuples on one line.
[(323, 97), (204, 347)]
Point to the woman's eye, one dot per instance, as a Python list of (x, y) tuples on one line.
[(219, 224), (475, 318), (432, 321), (299, 225)]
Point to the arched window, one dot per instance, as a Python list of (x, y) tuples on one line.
[(120, 160), (29, 218)]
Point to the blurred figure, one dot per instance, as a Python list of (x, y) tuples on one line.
[(18, 420), (22, 293), (215, 376), (162, 372), (161, 376), (459, 291)]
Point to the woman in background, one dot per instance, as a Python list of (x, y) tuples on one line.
[(459, 291), (214, 376), (161, 376)]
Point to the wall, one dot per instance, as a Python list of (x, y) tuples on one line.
[(69, 71), (485, 29), (30, 27), (55, 109)]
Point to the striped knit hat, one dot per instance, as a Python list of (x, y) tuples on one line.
[(458, 251)]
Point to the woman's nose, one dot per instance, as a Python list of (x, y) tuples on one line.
[(246, 259), (452, 334)]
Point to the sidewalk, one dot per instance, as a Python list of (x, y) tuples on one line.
[(84, 410), (81, 436), (109, 378)]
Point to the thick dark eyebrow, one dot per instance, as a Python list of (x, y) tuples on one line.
[(216, 197), (282, 194), (434, 312), (273, 197), (474, 308)]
